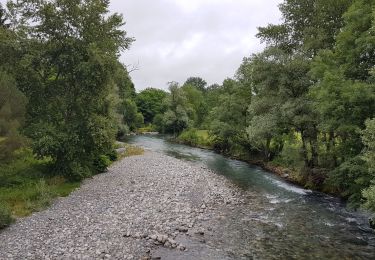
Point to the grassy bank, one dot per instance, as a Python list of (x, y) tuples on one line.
[(25, 187), (195, 138)]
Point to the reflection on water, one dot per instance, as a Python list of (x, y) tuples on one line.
[(289, 217)]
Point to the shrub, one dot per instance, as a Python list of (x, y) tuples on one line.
[(189, 137), (41, 196), (73, 171), (112, 155), (5, 217), (102, 163), (350, 178), (369, 195), (122, 131)]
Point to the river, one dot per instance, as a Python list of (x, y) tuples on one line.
[(292, 222)]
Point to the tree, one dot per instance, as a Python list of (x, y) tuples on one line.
[(124, 83), (176, 118), (3, 18), (131, 117), (344, 94), (12, 113), (307, 28), (197, 82), (368, 138), (308, 25), (228, 117), (197, 104), (151, 102), (67, 76)]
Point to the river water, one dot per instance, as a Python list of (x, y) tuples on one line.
[(290, 222)]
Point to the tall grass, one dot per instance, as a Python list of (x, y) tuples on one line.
[(27, 186)]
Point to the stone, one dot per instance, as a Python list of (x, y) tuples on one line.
[(181, 247), (200, 232), (372, 222), (139, 197), (183, 229)]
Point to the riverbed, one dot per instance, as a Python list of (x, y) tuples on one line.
[(177, 202), (279, 219)]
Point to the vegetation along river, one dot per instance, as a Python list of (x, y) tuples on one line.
[(302, 222)]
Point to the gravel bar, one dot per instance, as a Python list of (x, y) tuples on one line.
[(150, 206)]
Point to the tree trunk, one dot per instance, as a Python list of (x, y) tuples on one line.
[(267, 150), (304, 150), (331, 144), (314, 148)]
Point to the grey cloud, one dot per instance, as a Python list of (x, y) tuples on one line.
[(176, 39)]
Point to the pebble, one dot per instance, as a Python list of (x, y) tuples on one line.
[(87, 224)]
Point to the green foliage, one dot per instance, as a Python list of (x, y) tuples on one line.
[(124, 83), (102, 163), (112, 155), (12, 105), (290, 155), (12, 113), (131, 117), (308, 25), (176, 118), (196, 82), (368, 138), (130, 150), (68, 74), (5, 216), (189, 137), (158, 123), (228, 117), (122, 130), (350, 178), (369, 195), (28, 184), (40, 197), (195, 137), (196, 103), (151, 102)]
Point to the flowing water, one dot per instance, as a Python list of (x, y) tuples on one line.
[(290, 222)]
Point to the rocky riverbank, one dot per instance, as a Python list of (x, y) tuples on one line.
[(145, 207)]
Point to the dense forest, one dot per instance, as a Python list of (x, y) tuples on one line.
[(306, 103)]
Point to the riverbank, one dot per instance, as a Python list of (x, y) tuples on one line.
[(285, 173), (153, 206), (289, 175), (145, 206)]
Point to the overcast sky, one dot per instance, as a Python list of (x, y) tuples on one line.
[(176, 39)]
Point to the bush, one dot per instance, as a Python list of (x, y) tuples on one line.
[(122, 131), (349, 179), (369, 195), (41, 196), (102, 163), (189, 137), (5, 217), (113, 156), (73, 171)]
